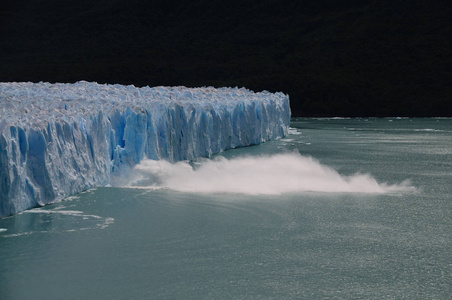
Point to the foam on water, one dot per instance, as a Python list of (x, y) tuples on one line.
[(62, 212), (430, 130), (75, 220), (270, 174)]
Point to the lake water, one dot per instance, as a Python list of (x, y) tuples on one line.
[(339, 209)]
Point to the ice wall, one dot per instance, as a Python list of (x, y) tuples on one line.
[(57, 140)]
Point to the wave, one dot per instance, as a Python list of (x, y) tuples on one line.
[(254, 175)]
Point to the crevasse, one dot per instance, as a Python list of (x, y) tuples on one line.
[(57, 140)]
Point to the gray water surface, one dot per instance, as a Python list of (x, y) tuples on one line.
[(161, 242)]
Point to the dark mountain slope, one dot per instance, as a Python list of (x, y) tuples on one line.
[(334, 58)]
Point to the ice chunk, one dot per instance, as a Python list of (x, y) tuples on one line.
[(57, 140)]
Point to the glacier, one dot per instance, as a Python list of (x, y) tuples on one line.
[(59, 139)]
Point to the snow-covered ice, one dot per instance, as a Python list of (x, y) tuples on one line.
[(57, 140)]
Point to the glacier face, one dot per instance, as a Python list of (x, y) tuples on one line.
[(57, 140)]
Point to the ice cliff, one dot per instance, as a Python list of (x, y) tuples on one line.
[(57, 140)]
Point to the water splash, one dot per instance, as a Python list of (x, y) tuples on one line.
[(271, 175)]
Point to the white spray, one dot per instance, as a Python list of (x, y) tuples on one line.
[(271, 175)]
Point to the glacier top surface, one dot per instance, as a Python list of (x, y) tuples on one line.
[(26, 103)]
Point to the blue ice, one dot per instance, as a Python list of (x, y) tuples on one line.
[(57, 140)]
